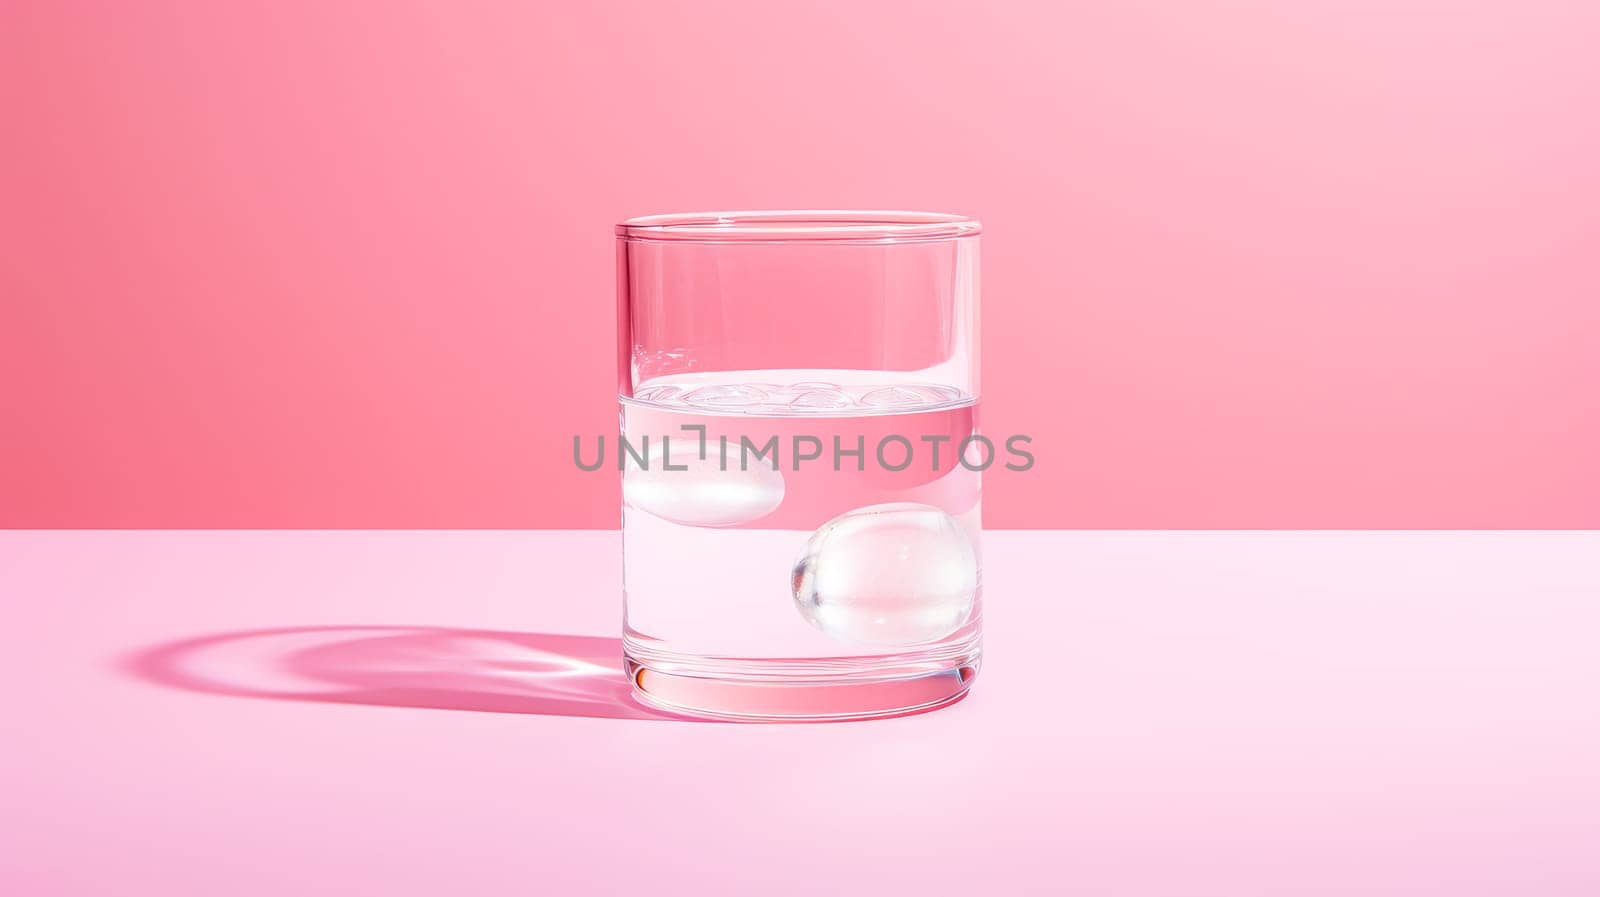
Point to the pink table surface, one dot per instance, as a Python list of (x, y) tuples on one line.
[(290, 713)]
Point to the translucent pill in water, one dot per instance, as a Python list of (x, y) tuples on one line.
[(891, 574), (703, 494)]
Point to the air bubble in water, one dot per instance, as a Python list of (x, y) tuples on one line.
[(821, 398), (891, 397), (726, 396), (704, 494), (908, 396), (891, 574), (657, 393)]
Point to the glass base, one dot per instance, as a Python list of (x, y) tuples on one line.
[(798, 690)]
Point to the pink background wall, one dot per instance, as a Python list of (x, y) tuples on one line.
[(1247, 264)]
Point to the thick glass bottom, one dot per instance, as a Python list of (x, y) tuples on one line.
[(812, 689)]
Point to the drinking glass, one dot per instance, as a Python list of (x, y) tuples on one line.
[(800, 461)]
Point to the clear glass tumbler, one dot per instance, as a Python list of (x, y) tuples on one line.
[(800, 461)]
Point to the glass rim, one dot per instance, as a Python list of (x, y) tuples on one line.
[(808, 226)]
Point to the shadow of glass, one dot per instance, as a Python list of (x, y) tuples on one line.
[(404, 666)]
